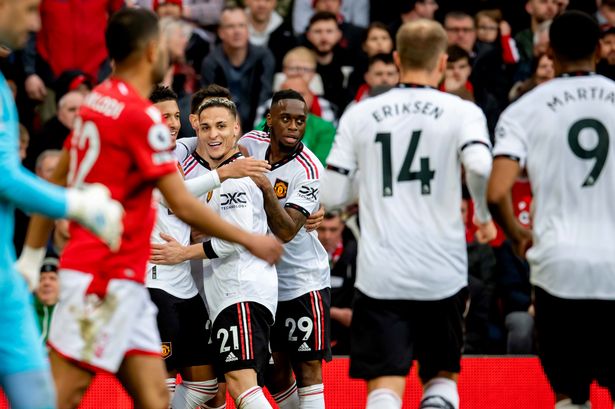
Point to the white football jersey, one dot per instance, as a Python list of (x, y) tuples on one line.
[(231, 273), (407, 144), (304, 265), (560, 132), (176, 279)]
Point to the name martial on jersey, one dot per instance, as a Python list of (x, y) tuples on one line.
[(407, 144), (560, 132)]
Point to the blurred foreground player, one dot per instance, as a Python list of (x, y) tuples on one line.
[(408, 145), (24, 370), (560, 133), (105, 320)]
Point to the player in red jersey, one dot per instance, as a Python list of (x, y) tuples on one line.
[(106, 320)]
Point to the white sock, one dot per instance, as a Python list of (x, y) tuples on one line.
[(440, 393), (567, 404), (253, 398), (171, 382), (383, 398), (288, 399), (189, 395), (312, 397)]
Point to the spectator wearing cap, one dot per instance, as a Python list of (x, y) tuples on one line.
[(245, 69), (606, 65), (46, 295), (268, 28), (356, 12)]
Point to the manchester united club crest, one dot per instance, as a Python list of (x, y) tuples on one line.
[(280, 188), (166, 350)]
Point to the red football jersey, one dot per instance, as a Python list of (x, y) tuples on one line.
[(119, 140)]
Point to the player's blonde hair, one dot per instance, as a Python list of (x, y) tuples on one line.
[(420, 44)]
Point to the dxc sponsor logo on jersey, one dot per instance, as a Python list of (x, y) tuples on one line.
[(233, 200), (309, 193)]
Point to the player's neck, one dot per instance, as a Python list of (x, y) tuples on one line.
[(135, 77), (575, 66), (216, 163), (276, 154), (420, 77)]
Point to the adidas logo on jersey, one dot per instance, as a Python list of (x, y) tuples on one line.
[(231, 357), (304, 348)]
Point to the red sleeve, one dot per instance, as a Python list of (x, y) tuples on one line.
[(510, 54), (149, 142)]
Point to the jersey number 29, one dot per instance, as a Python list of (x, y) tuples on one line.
[(425, 175)]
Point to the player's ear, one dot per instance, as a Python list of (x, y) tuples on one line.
[(151, 50), (269, 120)]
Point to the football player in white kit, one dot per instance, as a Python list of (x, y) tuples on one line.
[(300, 335), (182, 316), (560, 133), (408, 145), (241, 291)]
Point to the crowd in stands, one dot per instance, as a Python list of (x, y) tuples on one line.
[(335, 53)]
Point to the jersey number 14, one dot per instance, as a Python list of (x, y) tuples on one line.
[(425, 175)]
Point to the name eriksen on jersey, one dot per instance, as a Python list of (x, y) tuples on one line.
[(581, 94), (418, 107)]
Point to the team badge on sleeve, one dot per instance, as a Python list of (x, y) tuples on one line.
[(280, 188)]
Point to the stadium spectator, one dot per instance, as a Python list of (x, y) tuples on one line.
[(341, 246), (542, 72), (181, 76), (268, 28), (323, 36), (56, 130), (168, 8), (382, 74), (458, 70), (492, 29), (606, 14), (24, 141), (46, 163), (413, 10), (291, 193), (574, 294), (606, 64), (356, 12), (539, 11), (46, 296), (460, 30), (411, 312), (246, 70), (300, 62)]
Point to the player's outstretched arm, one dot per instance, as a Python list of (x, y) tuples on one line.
[(499, 197), (477, 161), (285, 223), (191, 211)]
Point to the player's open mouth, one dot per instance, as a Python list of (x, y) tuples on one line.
[(215, 144)]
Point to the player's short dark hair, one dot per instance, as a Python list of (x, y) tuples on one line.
[(574, 36), (128, 31), (219, 102), (381, 57), (286, 94), (162, 93), (209, 91), (321, 16), (456, 53)]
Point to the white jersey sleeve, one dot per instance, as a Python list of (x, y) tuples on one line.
[(473, 129), (184, 148), (343, 157), (510, 137), (305, 198)]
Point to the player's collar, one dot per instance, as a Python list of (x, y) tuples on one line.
[(286, 159), (413, 85), (231, 159), (576, 74), (201, 161)]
